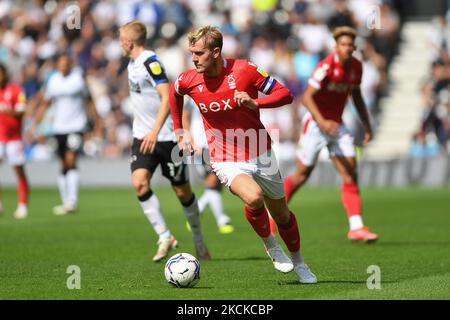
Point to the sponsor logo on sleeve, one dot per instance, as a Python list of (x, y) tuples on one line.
[(155, 67), (262, 72)]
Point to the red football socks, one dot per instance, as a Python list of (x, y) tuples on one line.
[(351, 199), (290, 234), (259, 219), (22, 190)]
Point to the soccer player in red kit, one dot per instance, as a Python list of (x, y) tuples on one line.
[(226, 93), (12, 107), (336, 78)]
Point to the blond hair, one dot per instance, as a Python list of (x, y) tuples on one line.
[(136, 32), (344, 31), (211, 35)]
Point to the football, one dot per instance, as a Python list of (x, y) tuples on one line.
[(182, 270)]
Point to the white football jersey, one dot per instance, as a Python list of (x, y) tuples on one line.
[(144, 74), (67, 95)]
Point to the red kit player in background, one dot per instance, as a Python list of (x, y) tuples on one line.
[(226, 93), (12, 108), (336, 78)]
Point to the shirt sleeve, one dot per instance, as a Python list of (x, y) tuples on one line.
[(156, 70), (262, 81), (176, 102), (319, 75), (179, 85), (276, 94)]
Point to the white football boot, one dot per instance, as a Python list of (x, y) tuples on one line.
[(304, 274), (280, 260), (21, 212), (64, 209), (164, 247)]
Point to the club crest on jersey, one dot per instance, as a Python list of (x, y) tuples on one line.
[(231, 82), (156, 68), (200, 88), (134, 86)]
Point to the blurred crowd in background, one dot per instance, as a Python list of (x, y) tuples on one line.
[(434, 134), (287, 38)]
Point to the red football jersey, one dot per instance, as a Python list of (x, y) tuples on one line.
[(334, 83), (11, 98), (234, 133)]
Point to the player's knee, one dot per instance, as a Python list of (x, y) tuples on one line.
[(212, 182), (282, 217), (183, 193), (347, 179), (255, 200), (141, 186)]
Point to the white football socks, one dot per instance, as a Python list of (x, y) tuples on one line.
[(214, 199), (62, 186), (203, 202), (193, 217), (73, 186), (297, 258), (355, 222), (152, 211), (270, 242)]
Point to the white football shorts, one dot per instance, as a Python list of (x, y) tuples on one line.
[(263, 169), (313, 140), (13, 151)]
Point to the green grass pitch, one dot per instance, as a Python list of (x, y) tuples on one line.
[(112, 242)]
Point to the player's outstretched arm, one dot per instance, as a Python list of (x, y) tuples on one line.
[(328, 126), (363, 114)]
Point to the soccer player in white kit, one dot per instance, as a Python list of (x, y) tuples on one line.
[(67, 94), (212, 196), (154, 140)]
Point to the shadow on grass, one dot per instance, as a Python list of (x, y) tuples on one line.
[(412, 243), (241, 259), (358, 282), (195, 288)]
